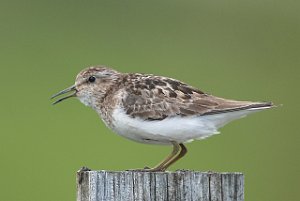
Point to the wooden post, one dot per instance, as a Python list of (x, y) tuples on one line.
[(144, 186)]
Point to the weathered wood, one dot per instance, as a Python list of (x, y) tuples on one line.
[(179, 185)]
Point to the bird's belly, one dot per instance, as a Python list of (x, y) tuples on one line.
[(178, 129)]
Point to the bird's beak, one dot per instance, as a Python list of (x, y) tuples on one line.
[(72, 88)]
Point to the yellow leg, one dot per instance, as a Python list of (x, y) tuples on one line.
[(183, 151), (179, 150), (176, 150)]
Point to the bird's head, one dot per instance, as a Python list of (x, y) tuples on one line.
[(91, 84)]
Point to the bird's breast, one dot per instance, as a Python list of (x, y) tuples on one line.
[(178, 129)]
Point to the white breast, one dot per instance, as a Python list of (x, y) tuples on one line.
[(179, 129)]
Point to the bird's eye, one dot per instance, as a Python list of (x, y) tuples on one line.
[(92, 79)]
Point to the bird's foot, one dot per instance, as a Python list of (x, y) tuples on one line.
[(148, 169)]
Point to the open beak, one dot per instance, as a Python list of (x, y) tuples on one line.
[(72, 88)]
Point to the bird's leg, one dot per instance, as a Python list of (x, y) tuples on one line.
[(161, 166), (183, 151), (175, 151), (179, 150)]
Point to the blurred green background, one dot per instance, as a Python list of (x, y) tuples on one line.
[(245, 50)]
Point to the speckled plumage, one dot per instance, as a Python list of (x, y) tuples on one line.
[(153, 98), (155, 109)]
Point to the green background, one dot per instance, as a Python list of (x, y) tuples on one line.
[(245, 50)]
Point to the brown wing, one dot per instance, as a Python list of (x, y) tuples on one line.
[(154, 98)]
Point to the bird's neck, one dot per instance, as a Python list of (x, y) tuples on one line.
[(108, 100)]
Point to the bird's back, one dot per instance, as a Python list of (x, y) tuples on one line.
[(155, 98), (159, 109)]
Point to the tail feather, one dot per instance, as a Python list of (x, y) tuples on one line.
[(252, 106), (220, 118)]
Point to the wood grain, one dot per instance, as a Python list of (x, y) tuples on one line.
[(161, 186)]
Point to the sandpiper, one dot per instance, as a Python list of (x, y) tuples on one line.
[(155, 109)]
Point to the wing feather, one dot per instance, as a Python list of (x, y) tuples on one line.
[(152, 97)]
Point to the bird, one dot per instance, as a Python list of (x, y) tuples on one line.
[(153, 109)]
